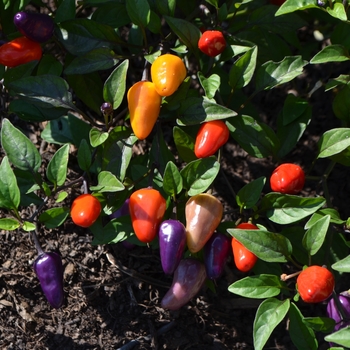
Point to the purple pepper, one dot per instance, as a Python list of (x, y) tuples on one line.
[(172, 241), (216, 251), (49, 270), (188, 279), (333, 311), (38, 27), (122, 211)]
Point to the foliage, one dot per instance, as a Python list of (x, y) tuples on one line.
[(101, 48)]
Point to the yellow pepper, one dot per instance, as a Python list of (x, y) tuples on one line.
[(144, 106), (167, 73)]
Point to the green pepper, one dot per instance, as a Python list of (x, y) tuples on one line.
[(203, 214)]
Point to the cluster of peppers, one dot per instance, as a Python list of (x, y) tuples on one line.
[(36, 28), (145, 97)]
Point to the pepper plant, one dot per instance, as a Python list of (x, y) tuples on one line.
[(90, 88)]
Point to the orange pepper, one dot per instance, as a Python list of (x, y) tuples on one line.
[(168, 72), (144, 107)]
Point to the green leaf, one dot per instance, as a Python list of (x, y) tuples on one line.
[(117, 151), (107, 182), (243, 69), (20, 151), (81, 35), (333, 141), (28, 226), (187, 32), (172, 180), (184, 144), (166, 7), (61, 196), (331, 53), (139, 12), (84, 155), (314, 237), (258, 286), (64, 130), (285, 209), (44, 91), (294, 5), (9, 192), (97, 137), (248, 196), (341, 103), (9, 224), (271, 74), (303, 337), (342, 265), (256, 138), (56, 170), (96, 60), (195, 110), (29, 112), (92, 96), (114, 87), (210, 84), (292, 123), (65, 11), (320, 324), (267, 246), (338, 11), (199, 175), (115, 231), (269, 314), (49, 65), (341, 337), (112, 13), (54, 217), (334, 217)]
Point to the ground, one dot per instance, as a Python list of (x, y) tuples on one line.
[(112, 295)]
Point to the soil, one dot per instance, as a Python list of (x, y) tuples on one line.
[(112, 295)]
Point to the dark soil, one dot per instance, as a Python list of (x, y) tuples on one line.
[(113, 295)]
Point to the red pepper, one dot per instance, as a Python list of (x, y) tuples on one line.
[(19, 51), (287, 178), (210, 137), (212, 43), (85, 210), (244, 258), (147, 208), (315, 284)]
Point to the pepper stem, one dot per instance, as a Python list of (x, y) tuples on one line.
[(37, 243)]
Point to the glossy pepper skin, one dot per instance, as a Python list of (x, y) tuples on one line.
[(216, 252), (333, 311), (315, 284), (38, 27), (167, 73), (85, 210), (244, 258), (144, 107), (287, 178), (210, 137), (172, 242), (188, 279), (49, 270), (203, 214), (147, 208), (19, 51), (212, 43)]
